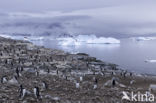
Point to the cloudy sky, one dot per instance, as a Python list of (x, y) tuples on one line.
[(101, 17)]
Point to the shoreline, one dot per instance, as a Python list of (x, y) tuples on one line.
[(69, 77)]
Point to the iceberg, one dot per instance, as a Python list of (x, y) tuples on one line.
[(87, 39), (144, 38), (68, 41), (102, 40), (150, 61)]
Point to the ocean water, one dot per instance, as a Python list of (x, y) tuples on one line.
[(129, 54)]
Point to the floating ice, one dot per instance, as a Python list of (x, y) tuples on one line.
[(150, 61), (68, 41), (87, 39), (144, 38)]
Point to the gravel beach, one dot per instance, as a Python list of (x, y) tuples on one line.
[(34, 74)]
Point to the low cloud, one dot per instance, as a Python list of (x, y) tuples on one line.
[(115, 19)]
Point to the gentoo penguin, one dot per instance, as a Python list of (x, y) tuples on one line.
[(12, 64), (31, 56), (81, 79), (48, 70), (87, 64), (132, 82), (6, 61), (113, 73), (37, 73), (22, 92), (18, 55), (37, 92), (66, 77), (17, 72), (124, 74), (1, 54), (35, 68), (95, 84), (113, 82), (57, 72), (45, 85), (77, 85), (96, 81), (102, 73), (21, 69), (121, 74), (47, 60), (4, 79)]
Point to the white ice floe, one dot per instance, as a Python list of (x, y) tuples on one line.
[(150, 61), (144, 38), (87, 39)]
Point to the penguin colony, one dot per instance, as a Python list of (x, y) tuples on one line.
[(34, 74)]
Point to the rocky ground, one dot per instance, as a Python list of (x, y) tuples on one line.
[(62, 77)]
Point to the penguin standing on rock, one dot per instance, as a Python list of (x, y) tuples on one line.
[(113, 82), (96, 81), (22, 92), (95, 84), (77, 85), (124, 73), (45, 85), (12, 64), (37, 73), (1, 54), (17, 72), (37, 92), (66, 77), (81, 79), (48, 70), (6, 61), (21, 69), (57, 72)]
